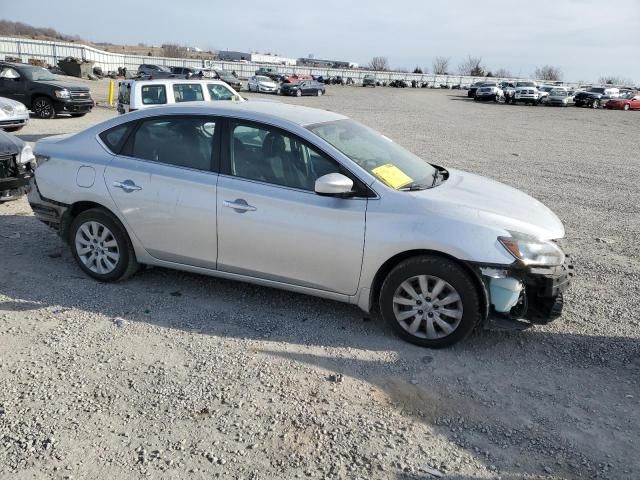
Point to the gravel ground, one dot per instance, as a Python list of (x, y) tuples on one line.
[(172, 375)]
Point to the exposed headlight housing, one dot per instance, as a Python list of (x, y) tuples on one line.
[(26, 155), (64, 93), (532, 251), (8, 109)]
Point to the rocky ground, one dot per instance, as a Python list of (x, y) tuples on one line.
[(172, 375)]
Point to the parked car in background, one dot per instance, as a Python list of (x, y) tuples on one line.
[(42, 92), (229, 78), (217, 188), (471, 93), (139, 94), (147, 70), (526, 92), (630, 101), (271, 72), (13, 115), (186, 72), (369, 81), (559, 96), (305, 87), (17, 164), (544, 91), (489, 91), (596, 97), (262, 84)]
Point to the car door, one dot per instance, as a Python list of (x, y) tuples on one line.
[(272, 225), (164, 184)]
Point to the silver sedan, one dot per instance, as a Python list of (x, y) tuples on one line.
[(13, 115), (305, 200)]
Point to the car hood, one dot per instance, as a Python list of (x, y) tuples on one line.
[(490, 203), (10, 144), (62, 84)]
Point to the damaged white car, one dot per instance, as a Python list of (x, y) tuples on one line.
[(305, 200)]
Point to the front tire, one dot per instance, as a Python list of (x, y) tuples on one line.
[(319, 93), (298, 93), (101, 246), (43, 108), (430, 301), (625, 108), (595, 104)]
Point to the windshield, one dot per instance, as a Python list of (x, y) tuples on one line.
[(558, 93), (376, 153), (36, 74), (263, 79), (525, 84), (597, 90)]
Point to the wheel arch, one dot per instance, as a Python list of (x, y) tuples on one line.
[(391, 263), (76, 209)]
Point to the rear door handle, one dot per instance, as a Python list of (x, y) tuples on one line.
[(239, 205), (127, 185)]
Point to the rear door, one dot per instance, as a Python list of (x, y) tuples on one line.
[(164, 184)]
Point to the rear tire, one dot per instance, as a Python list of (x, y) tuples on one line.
[(298, 93), (430, 286), (101, 246), (595, 104)]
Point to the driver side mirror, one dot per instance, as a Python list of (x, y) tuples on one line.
[(334, 185)]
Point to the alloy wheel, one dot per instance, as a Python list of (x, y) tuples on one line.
[(428, 307), (42, 108), (97, 247)]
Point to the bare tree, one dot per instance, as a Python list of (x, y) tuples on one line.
[(548, 72), (472, 67), (502, 73), (440, 65), (173, 50), (615, 80), (379, 64), (417, 70)]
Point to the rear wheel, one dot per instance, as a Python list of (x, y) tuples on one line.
[(430, 301), (595, 104), (101, 246), (298, 93), (319, 93), (43, 108)]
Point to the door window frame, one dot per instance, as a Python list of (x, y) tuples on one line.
[(362, 189), (126, 147)]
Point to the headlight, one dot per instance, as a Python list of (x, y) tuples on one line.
[(26, 155), (531, 250), (21, 108), (62, 93), (8, 109)]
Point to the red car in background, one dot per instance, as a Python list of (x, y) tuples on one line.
[(628, 102)]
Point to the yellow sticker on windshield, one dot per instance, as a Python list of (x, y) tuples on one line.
[(392, 176)]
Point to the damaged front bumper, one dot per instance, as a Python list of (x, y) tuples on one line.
[(517, 292)]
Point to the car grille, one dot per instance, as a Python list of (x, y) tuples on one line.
[(79, 95), (12, 122), (7, 168)]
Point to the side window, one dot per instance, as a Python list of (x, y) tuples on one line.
[(115, 137), (8, 72), (187, 92), (219, 92), (181, 141), (270, 155), (153, 95)]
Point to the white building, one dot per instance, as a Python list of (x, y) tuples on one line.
[(273, 59)]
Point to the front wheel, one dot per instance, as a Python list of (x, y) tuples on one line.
[(625, 108), (298, 93), (595, 104), (43, 108), (319, 93), (430, 301), (101, 246)]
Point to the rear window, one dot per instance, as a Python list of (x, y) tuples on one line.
[(115, 137), (154, 95), (187, 92)]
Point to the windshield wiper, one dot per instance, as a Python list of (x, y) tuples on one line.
[(412, 187)]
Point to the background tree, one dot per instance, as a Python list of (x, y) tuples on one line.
[(502, 73), (472, 67), (379, 64), (417, 70), (548, 72), (614, 80), (440, 65), (173, 50)]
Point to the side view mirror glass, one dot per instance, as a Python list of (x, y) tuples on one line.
[(334, 184)]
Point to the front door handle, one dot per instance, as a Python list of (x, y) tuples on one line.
[(127, 186), (239, 205)]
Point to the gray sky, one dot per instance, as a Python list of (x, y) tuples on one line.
[(585, 38)]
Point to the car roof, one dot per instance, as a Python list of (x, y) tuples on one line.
[(260, 111), (174, 80)]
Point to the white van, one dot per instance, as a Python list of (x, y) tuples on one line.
[(138, 94)]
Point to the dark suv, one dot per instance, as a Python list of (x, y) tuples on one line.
[(40, 91)]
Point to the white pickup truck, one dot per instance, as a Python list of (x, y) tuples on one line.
[(527, 93)]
